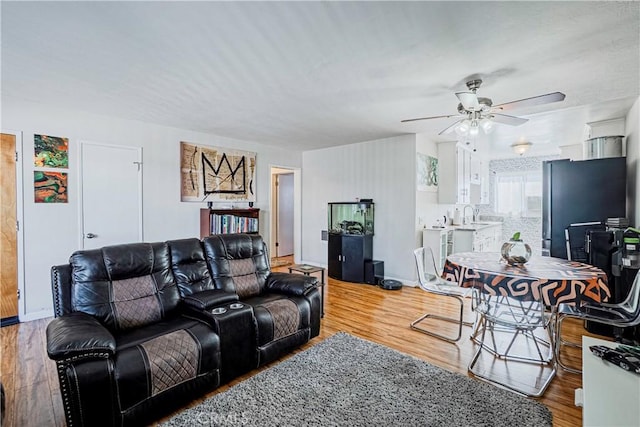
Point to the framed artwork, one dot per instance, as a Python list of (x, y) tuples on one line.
[(216, 174), (50, 187), (50, 151), (426, 172)]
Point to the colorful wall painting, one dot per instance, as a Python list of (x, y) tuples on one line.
[(50, 151), (216, 174), (50, 187), (426, 172)]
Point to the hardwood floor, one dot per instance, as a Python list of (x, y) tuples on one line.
[(31, 383), (282, 261)]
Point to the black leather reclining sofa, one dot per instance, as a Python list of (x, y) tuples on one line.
[(141, 329)]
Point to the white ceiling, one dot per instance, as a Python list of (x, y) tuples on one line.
[(308, 75)]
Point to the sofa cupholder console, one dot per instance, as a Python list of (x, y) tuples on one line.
[(236, 327)]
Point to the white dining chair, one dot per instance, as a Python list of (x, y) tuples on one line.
[(518, 320), (430, 281), (622, 315)]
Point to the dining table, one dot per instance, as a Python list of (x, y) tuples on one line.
[(546, 279)]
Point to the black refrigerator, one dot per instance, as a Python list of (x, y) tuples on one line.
[(579, 192)]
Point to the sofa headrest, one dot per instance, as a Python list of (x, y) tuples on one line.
[(234, 246)]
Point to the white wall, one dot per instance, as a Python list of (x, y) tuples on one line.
[(52, 230), (632, 132), (573, 152), (380, 170), (428, 211)]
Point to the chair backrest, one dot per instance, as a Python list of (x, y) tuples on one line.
[(189, 265), (239, 263), (576, 238), (428, 276), (124, 286), (631, 304)]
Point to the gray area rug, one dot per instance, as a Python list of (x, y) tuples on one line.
[(345, 380)]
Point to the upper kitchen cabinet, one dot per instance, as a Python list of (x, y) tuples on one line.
[(454, 167), (479, 187)]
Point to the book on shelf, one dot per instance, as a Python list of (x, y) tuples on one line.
[(228, 223)]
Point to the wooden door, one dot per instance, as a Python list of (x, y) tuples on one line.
[(8, 230)]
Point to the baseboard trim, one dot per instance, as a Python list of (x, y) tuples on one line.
[(7, 321), (28, 317)]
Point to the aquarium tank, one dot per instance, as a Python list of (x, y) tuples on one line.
[(353, 218)]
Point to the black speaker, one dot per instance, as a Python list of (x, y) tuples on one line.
[(373, 271)]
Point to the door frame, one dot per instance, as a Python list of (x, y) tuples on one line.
[(20, 218), (297, 210), (81, 145)]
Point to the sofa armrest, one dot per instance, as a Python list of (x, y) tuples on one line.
[(208, 299), (79, 335), (291, 284)]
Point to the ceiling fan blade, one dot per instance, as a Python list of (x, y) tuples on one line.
[(428, 118), (529, 102), (469, 100), (508, 120), (449, 128)]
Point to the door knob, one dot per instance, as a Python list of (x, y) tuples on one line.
[(90, 236)]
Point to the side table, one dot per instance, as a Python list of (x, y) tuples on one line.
[(307, 270)]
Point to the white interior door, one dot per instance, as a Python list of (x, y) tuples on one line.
[(284, 242), (111, 195)]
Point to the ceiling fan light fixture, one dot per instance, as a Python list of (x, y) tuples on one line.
[(473, 130), (521, 147), (463, 127), (486, 125)]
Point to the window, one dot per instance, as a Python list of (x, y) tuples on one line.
[(519, 193)]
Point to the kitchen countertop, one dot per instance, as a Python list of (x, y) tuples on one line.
[(475, 226)]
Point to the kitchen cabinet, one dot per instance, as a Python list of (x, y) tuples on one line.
[(477, 238), (454, 169), (439, 240), (485, 182), (347, 255), (475, 169), (479, 187)]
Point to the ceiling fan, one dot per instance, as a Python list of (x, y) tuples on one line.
[(480, 113)]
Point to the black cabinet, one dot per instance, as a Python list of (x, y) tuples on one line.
[(347, 255)]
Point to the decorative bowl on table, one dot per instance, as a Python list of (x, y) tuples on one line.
[(515, 251)]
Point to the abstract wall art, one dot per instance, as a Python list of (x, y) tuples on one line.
[(426, 172), (216, 174), (50, 151), (50, 187)]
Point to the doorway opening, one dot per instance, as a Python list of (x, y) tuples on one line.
[(282, 246)]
